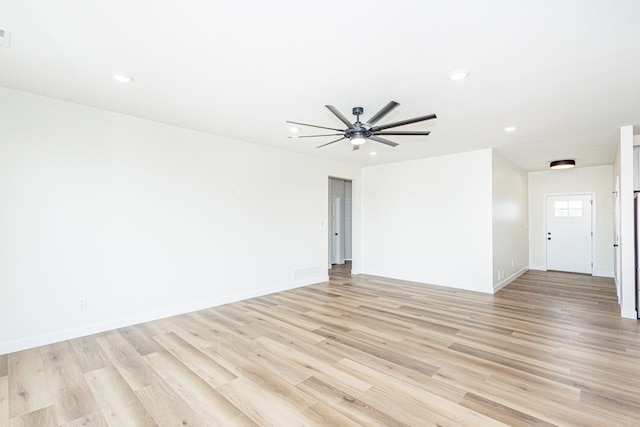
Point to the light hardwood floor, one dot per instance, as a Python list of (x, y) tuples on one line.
[(548, 349)]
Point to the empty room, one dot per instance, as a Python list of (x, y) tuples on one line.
[(248, 213)]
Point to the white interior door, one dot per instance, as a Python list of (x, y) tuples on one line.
[(337, 253), (569, 234)]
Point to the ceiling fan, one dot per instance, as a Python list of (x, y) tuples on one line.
[(358, 133)]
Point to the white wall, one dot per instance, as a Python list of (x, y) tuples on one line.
[(429, 221), (348, 220), (145, 220), (510, 221), (624, 164), (599, 180)]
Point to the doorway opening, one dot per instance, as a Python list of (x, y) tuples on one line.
[(340, 222)]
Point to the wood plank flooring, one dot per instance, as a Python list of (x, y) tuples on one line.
[(548, 349)]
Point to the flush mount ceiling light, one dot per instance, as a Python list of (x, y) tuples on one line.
[(510, 128), (122, 78), (373, 153), (562, 164), (458, 75)]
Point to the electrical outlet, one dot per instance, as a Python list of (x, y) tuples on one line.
[(82, 303), (5, 38)]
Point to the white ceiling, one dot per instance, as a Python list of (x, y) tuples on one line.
[(567, 73)]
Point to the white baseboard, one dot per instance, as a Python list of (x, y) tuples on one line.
[(603, 274), (434, 282), (509, 279), (595, 273), (629, 314), (37, 341)]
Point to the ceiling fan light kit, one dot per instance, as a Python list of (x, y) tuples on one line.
[(359, 132), (358, 139)]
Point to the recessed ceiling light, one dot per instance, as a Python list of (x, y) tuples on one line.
[(458, 75), (373, 153), (510, 128), (122, 78), (294, 130)]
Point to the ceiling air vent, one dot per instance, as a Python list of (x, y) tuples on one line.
[(5, 38)]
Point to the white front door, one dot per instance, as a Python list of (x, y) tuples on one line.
[(569, 234)]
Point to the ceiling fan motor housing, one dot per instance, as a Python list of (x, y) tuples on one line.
[(359, 132)]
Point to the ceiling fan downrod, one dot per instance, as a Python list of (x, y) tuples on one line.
[(360, 133)]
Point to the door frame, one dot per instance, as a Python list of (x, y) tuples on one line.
[(354, 224), (545, 196), (617, 256)]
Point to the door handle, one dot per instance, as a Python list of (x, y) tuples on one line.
[(615, 246), (336, 234), (548, 238)]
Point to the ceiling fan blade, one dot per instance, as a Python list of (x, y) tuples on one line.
[(339, 115), (403, 122), (382, 140), (380, 114), (319, 146), (313, 136), (314, 126), (355, 147), (407, 132)]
